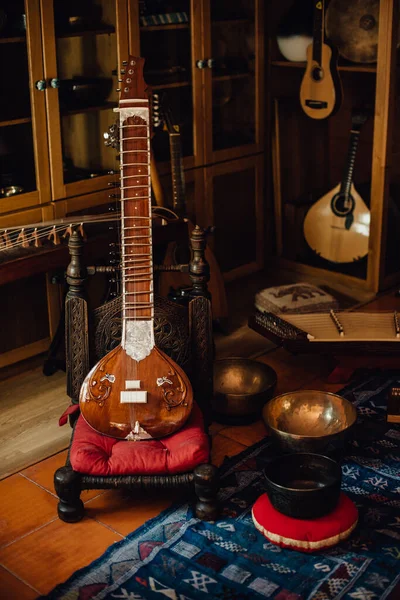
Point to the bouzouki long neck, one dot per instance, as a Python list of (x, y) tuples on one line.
[(347, 178), (136, 237)]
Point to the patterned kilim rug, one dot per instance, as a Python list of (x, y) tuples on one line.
[(178, 557)]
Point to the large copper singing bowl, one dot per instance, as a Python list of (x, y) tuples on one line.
[(241, 388), (309, 420)]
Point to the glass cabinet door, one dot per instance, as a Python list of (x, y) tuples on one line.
[(23, 142), (165, 43), (232, 66), (81, 45)]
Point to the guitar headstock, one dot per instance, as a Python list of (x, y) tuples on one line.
[(133, 85)]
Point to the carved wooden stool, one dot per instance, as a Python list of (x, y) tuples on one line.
[(184, 333)]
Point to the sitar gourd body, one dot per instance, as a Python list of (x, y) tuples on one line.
[(136, 392), (168, 395)]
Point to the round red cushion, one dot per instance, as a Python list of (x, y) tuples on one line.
[(301, 534)]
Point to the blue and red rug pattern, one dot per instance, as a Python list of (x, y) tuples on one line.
[(178, 557)]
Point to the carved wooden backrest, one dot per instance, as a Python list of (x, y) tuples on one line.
[(183, 333), (171, 329)]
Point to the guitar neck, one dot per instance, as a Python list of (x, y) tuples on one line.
[(347, 179), (178, 178), (136, 236), (318, 31)]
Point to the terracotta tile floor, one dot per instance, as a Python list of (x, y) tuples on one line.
[(38, 551)]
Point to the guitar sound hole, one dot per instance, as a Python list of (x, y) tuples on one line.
[(317, 74), (342, 205)]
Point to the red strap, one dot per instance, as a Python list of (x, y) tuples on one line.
[(69, 411)]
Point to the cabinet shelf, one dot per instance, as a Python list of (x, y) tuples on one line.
[(83, 32), (231, 76), (84, 109), (20, 121), (13, 40), (302, 65), (166, 86), (168, 27)]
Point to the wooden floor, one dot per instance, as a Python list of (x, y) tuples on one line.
[(37, 550)]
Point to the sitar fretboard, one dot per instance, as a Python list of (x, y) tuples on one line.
[(136, 238)]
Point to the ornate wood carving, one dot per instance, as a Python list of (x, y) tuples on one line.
[(76, 320), (171, 329), (200, 319)]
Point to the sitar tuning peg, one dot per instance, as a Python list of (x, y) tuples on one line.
[(124, 62), (118, 90), (122, 71)]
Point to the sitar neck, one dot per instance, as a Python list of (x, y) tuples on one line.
[(318, 31), (347, 179), (136, 234)]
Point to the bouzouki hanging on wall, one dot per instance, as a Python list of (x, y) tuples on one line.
[(320, 90), (136, 391), (337, 226)]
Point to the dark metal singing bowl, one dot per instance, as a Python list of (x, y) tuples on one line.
[(241, 388), (303, 485), (309, 420)]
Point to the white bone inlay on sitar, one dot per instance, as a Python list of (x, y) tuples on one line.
[(121, 396)]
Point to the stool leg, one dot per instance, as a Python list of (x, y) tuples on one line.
[(67, 483), (206, 486)]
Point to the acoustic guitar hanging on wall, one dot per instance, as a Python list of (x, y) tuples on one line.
[(136, 391), (337, 226), (320, 90)]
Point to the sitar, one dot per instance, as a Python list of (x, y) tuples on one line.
[(337, 226), (136, 392), (320, 91)]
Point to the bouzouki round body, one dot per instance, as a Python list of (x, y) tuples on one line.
[(160, 387), (327, 235)]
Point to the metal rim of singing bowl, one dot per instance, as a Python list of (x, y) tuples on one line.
[(334, 470), (301, 436), (238, 359)]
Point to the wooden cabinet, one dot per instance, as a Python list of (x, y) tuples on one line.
[(307, 157), (60, 63), (210, 67)]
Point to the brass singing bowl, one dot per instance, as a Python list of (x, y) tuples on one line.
[(309, 420), (241, 388)]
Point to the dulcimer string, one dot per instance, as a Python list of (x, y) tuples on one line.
[(46, 228)]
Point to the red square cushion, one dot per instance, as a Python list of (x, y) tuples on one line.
[(302, 534), (96, 454)]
